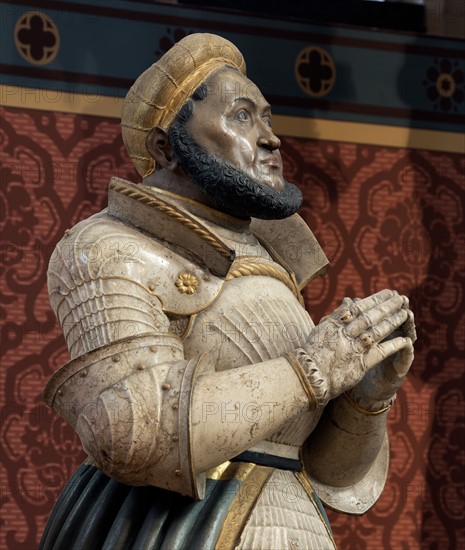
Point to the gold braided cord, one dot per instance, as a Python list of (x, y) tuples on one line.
[(172, 213), (246, 268)]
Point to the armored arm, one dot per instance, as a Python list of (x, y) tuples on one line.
[(347, 455)]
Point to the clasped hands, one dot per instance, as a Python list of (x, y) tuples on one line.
[(364, 347)]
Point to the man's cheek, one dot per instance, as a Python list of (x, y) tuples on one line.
[(245, 157)]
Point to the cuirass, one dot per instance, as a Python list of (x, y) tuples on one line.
[(254, 319)]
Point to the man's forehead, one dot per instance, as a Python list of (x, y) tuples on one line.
[(229, 86)]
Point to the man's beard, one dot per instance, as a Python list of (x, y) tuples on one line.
[(231, 189)]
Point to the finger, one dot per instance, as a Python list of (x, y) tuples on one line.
[(340, 311), (381, 351), (364, 342), (409, 326), (406, 300), (375, 315), (347, 303), (344, 311), (365, 304), (385, 327)]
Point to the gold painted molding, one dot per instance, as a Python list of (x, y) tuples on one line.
[(371, 134), (53, 99)]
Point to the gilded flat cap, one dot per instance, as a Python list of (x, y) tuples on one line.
[(159, 93)]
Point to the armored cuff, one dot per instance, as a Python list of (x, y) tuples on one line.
[(347, 457), (314, 377)]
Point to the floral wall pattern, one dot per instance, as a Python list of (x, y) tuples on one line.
[(387, 217)]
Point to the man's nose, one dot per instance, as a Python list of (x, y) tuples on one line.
[(267, 138)]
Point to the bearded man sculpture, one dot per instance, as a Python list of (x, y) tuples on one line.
[(212, 409)]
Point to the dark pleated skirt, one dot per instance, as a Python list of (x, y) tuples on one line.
[(96, 512)]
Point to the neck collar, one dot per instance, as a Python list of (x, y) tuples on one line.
[(201, 210)]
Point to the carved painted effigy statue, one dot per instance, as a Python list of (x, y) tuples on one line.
[(215, 414)]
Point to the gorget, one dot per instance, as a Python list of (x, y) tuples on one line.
[(215, 238)]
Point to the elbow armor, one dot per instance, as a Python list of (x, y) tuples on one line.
[(114, 398)]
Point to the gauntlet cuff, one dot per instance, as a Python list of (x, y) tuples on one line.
[(347, 457), (314, 377)]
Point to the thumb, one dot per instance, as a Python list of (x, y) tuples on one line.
[(403, 359), (387, 348)]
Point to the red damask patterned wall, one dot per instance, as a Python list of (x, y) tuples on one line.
[(387, 217)]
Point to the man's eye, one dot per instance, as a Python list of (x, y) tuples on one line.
[(242, 115), (267, 121)]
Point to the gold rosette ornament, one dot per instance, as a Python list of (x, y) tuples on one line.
[(187, 283)]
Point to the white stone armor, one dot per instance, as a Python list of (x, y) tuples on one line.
[(179, 328)]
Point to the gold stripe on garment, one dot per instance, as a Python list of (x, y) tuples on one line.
[(254, 479), (230, 470), (308, 488)]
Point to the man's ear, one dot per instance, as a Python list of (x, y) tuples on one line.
[(159, 147)]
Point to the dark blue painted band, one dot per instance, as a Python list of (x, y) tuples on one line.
[(271, 461)]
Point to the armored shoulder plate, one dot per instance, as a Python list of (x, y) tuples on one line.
[(103, 248)]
